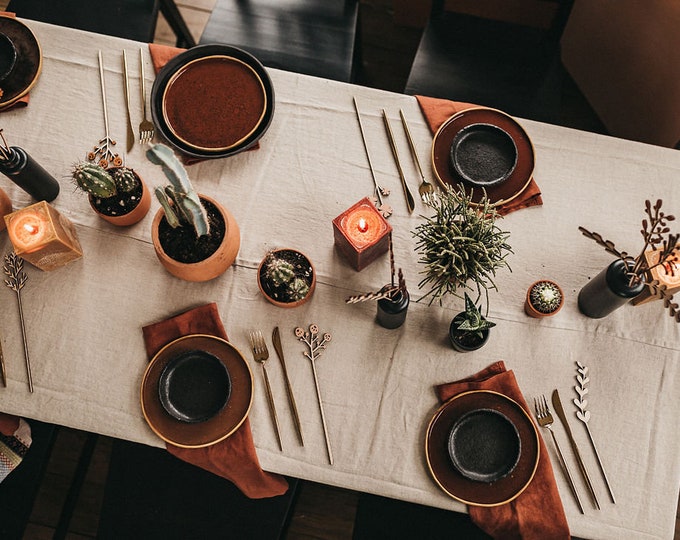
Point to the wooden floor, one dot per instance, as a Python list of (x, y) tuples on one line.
[(322, 512)]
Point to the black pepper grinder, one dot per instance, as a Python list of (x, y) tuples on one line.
[(25, 172)]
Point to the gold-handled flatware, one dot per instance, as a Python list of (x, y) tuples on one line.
[(130, 130), (276, 340), (557, 403), (545, 420), (146, 127), (3, 370), (103, 152), (583, 414), (379, 191), (410, 204), (316, 344), (16, 279), (261, 355), (425, 189)]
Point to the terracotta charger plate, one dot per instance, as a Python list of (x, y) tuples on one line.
[(219, 426), (472, 492), (28, 64), (212, 101), (500, 193)]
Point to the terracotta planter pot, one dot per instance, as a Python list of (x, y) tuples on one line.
[(532, 311), (135, 215), (5, 208), (207, 269), (279, 303)]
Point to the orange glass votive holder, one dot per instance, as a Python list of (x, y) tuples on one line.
[(42, 236), (361, 234), (667, 274)]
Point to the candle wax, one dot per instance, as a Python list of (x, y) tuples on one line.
[(28, 232), (362, 227)]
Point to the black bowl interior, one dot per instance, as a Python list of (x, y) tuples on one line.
[(194, 386), (483, 155), (484, 445), (8, 56)]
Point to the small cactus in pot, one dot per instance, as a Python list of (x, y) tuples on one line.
[(117, 194), (544, 298), (286, 277)]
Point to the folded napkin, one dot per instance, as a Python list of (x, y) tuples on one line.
[(437, 111), (234, 458), (161, 55), (23, 101), (15, 439), (537, 513)]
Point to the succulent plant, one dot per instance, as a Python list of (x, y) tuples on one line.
[(472, 321), (279, 271), (180, 202), (103, 183), (297, 289), (286, 276), (545, 296), (460, 244)]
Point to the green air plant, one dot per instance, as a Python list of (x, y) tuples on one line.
[(103, 183), (460, 245), (471, 321), (181, 204)]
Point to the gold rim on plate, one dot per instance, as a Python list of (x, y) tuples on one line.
[(182, 70), (216, 428)]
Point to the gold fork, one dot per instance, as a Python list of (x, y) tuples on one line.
[(425, 189), (146, 128), (261, 355), (545, 419)]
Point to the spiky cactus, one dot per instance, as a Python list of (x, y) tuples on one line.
[(545, 296), (297, 289), (103, 183), (279, 271), (180, 202)]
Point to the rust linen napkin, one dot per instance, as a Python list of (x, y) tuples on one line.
[(537, 514), (436, 111), (15, 439), (23, 101), (235, 457)]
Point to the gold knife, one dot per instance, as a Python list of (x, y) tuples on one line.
[(276, 339), (410, 203), (557, 403), (130, 129)]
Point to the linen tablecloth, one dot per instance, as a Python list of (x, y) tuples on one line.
[(83, 320)]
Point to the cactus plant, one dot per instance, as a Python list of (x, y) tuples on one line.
[(94, 179), (544, 298), (286, 277), (180, 202)]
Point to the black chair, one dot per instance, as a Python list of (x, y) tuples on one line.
[(151, 494), (131, 19), (19, 490), (314, 37), (380, 518), (511, 67)]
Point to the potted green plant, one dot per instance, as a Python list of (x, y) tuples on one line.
[(286, 277), (469, 330), (626, 277), (117, 194), (194, 236), (461, 246), (544, 298)]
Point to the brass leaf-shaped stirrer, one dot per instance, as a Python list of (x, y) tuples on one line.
[(311, 339), (583, 414), (16, 279)]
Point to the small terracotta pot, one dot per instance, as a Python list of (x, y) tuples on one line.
[(135, 215), (209, 268), (5, 208), (529, 308), (295, 303)]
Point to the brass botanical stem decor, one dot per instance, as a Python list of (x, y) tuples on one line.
[(460, 244), (16, 279), (656, 236)]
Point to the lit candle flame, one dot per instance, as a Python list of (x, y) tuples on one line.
[(362, 225), (30, 228)]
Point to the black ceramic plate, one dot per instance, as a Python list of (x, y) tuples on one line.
[(484, 445), (194, 386), (177, 64), (483, 155), (462, 488), (28, 63)]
